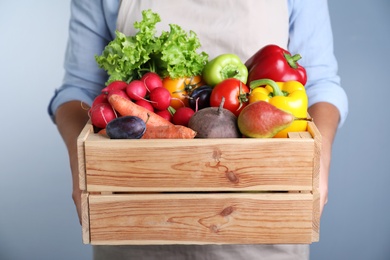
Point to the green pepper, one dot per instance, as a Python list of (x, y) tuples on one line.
[(223, 67)]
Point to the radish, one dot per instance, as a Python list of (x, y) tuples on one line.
[(136, 90), (115, 85), (118, 92), (160, 98), (182, 116), (145, 104), (151, 80), (101, 114), (165, 114), (102, 98)]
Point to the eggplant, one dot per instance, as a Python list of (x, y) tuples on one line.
[(200, 95)]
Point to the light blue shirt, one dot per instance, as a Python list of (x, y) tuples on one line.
[(93, 23)]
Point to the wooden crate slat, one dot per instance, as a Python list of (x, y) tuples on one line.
[(201, 218), (218, 164)]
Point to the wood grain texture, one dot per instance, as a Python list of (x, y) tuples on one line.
[(85, 133), (198, 165), (201, 218), (313, 130), (200, 191), (85, 217)]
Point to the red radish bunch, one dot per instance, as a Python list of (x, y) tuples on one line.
[(136, 90), (115, 85), (160, 98), (146, 104), (147, 92), (101, 114), (182, 116), (151, 80), (102, 98), (165, 114)]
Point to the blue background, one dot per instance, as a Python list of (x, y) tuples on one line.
[(37, 216)]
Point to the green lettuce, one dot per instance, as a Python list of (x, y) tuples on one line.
[(172, 54)]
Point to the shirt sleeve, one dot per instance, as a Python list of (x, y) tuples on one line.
[(89, 33), (311, 36)]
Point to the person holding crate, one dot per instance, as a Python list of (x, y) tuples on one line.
[(241, 27)]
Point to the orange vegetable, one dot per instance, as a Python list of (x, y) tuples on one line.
[(103, 132), (156, 126), (169, 132), (126, 107), (181, 88), (163, 132)]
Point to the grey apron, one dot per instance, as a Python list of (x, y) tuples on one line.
[(227, 30)]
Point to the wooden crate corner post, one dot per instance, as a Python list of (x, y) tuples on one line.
[(312, 129), (87, 130), (85, 218)]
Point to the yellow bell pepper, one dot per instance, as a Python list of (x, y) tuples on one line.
[(288, 96)]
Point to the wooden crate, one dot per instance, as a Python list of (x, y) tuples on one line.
[(200, 191)]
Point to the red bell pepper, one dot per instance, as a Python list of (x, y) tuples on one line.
[(276, 63)]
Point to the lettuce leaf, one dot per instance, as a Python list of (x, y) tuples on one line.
[(172, 54)]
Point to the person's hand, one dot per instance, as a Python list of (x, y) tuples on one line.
[(76, 195), (71, 118), (326, 118), (323, 186)]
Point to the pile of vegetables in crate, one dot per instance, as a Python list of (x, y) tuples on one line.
[(162, 87)]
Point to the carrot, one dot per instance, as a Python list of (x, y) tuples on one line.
[(157, 127), (103, 132), (169, 132), (126, 107)]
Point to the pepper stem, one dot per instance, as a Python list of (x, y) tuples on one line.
[(292, 60), (261, 82)]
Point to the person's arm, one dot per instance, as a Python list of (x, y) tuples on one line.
[(311, 36), (71, 117), (326, 117), (91, 27)]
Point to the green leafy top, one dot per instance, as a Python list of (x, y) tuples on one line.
[(172, 54)]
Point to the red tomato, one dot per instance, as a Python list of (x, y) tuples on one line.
[(180, 89), (235, 93)]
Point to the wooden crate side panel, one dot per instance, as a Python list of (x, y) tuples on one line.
[(85, 217), (316, 217), (214, 164), (201, 218), (312, 129), (87, 130)]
